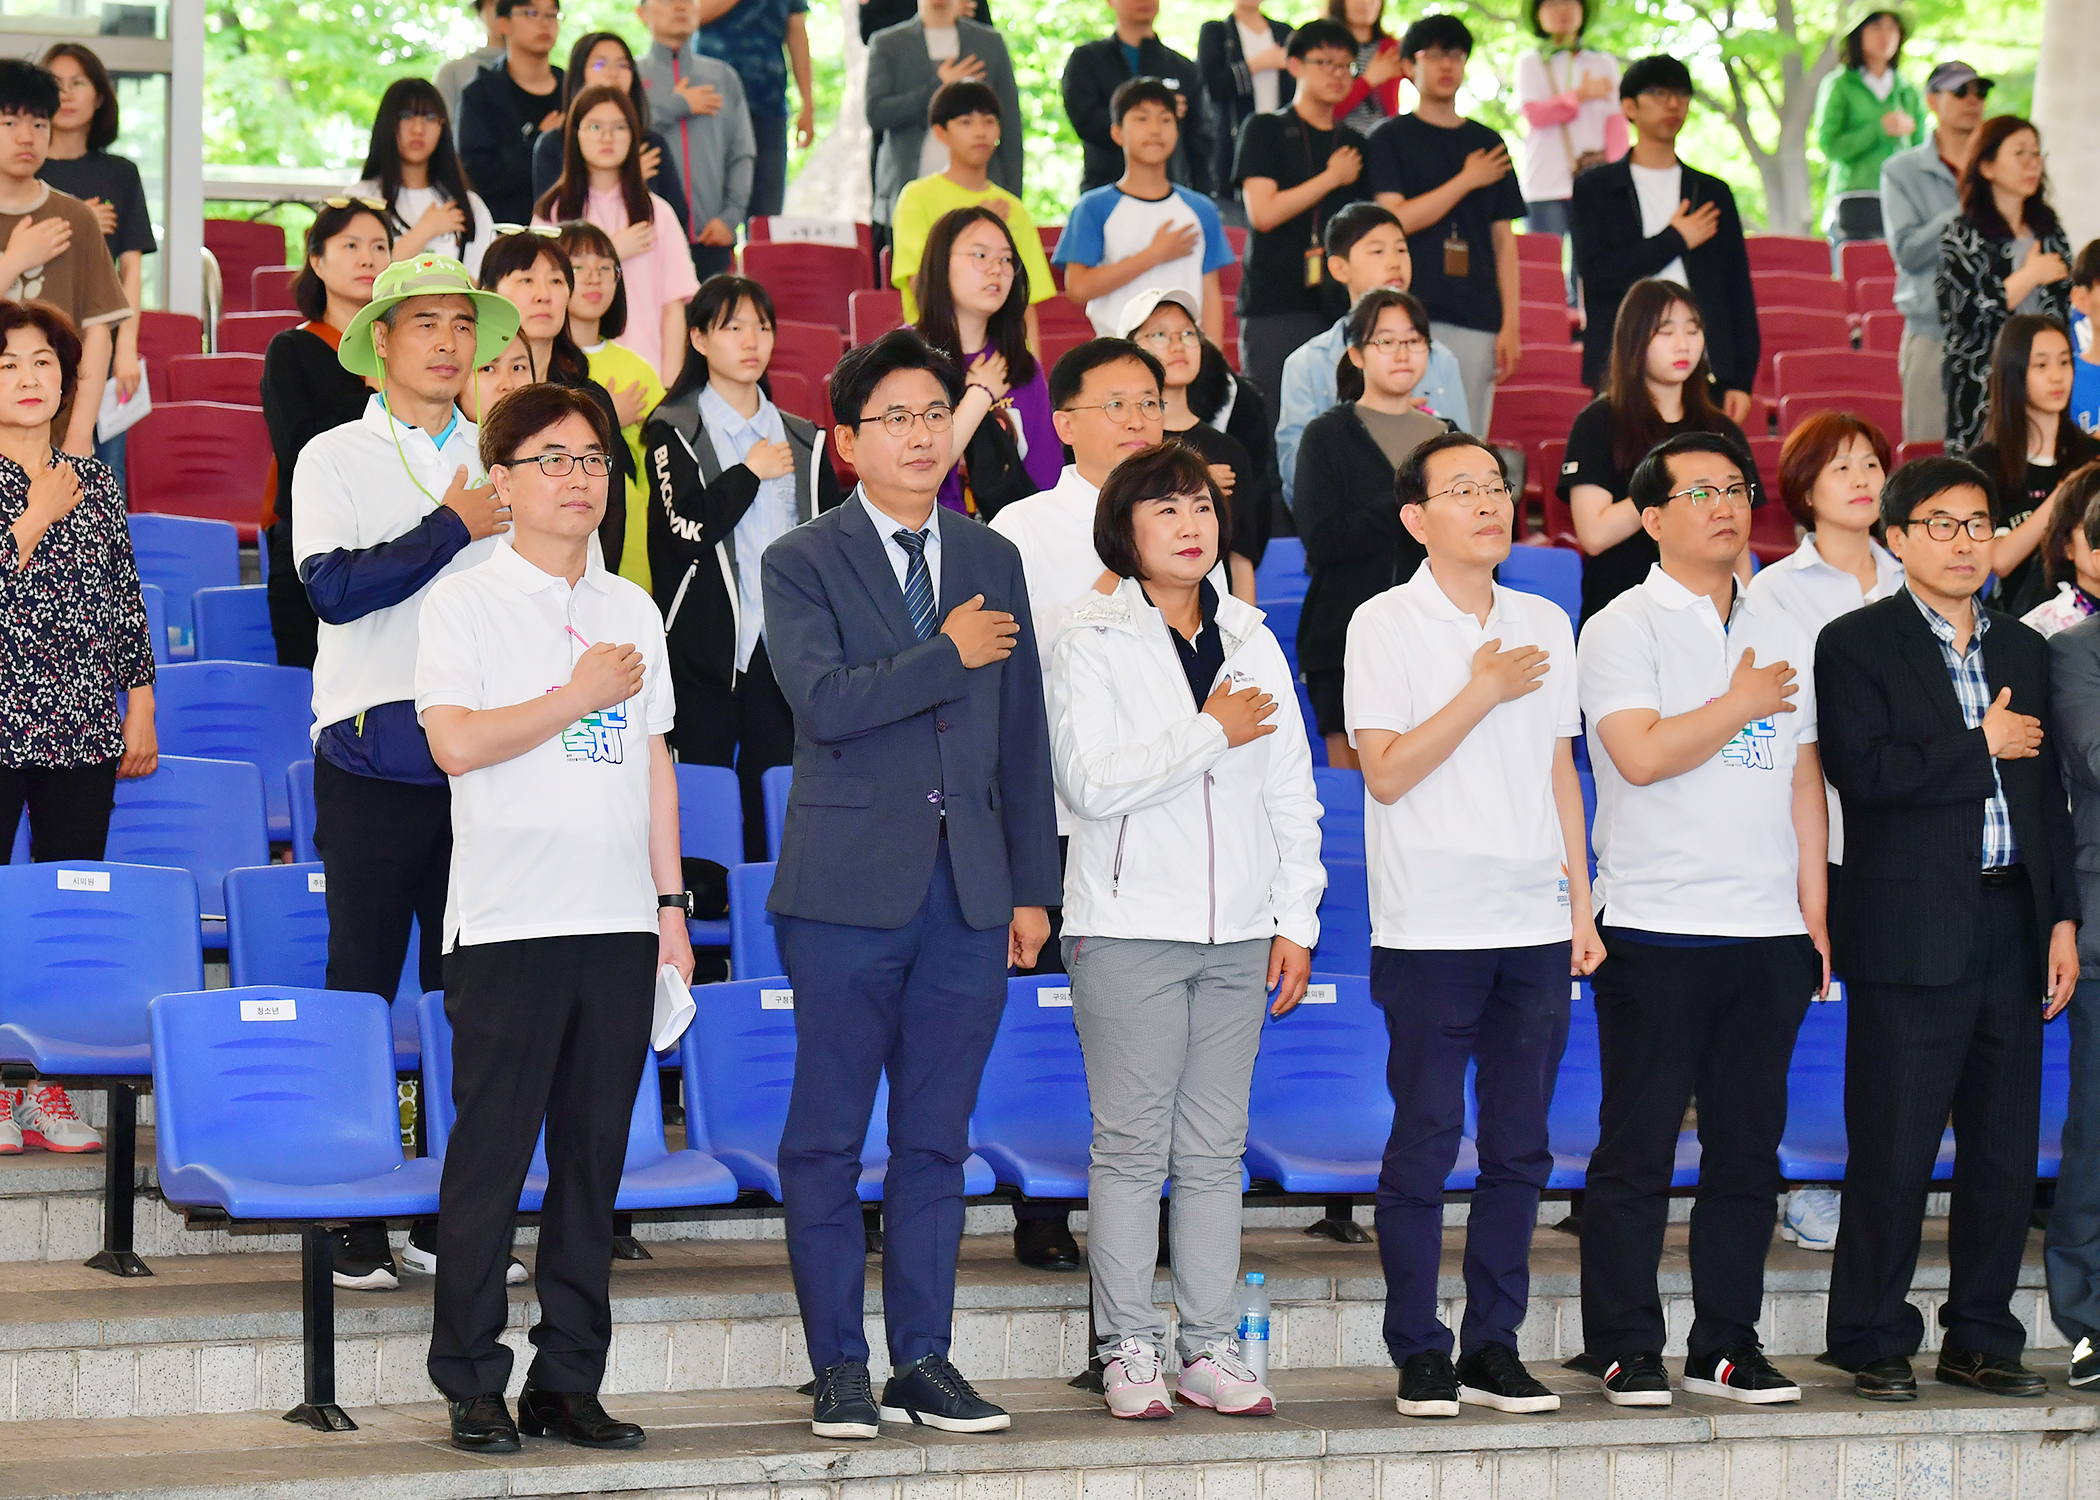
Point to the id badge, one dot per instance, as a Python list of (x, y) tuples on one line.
[(1458, 255), (1315, 265)]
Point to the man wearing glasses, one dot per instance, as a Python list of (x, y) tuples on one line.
[(920, 853), (503, 111), (1711, 892), (1956, 918)]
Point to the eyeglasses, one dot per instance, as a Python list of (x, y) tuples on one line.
[(76, 83), (596, 270), (1466, 491), (1160, 338), (560, 465), (421, 117), (1661, 95), (1942, 528), (534, 13), (1390, 344), (544, 231), (996, 260), (1151, 407), (1328, 64), (1707, 496), (377, 205), (604, 127), (898, 419)]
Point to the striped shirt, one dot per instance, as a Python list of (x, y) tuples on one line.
[(1972, 689)]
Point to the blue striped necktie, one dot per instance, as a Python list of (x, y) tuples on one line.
[(918, 581)]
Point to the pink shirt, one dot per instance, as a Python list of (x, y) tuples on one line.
[(656, 276)]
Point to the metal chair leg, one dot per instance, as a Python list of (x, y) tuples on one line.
[(317, 1330), (120, 1154)]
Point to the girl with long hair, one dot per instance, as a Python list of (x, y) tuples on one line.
[(604, 57), (1659, 385), (414, 169), (2029, 445), (597, 319), (601, 181)]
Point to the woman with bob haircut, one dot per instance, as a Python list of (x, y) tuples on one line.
[(413, 168), (1191, 892)]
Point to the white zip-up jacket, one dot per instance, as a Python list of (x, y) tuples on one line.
[(1175, 837)]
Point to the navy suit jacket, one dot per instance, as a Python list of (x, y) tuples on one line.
[(890, 728)]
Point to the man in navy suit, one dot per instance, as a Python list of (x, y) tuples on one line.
[(920, 853)]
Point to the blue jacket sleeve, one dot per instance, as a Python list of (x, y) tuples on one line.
[(344, 585)]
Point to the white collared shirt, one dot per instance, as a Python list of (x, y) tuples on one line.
[(1054, 532), (887, 526), (1472, 856), (1711, 852), (770, 516), (355, 487), (554, 842)]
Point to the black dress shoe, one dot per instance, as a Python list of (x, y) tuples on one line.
[(1885, 1379), (1046, 1244), (483, 1425), (575, 1417), (1990, 1373)]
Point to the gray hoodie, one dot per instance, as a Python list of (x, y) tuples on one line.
[(709, 155)]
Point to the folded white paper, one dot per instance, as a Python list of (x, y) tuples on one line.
[(115, 416), (674, 1009)]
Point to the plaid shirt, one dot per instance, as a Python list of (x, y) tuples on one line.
[(1972, 688)]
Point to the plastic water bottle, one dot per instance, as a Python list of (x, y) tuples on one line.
[(1254, 1324)]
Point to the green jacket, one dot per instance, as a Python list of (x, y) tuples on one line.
[(1848, 128)]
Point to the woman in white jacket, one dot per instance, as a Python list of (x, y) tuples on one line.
[(1191, 892)]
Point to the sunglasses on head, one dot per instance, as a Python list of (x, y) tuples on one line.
[(544, 231), (377, 205)]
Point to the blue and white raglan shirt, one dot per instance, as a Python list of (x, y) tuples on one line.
[(1109, 224)]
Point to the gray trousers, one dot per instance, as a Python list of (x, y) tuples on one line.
[(1474, 349), (1918, 362), (1169, 1031)]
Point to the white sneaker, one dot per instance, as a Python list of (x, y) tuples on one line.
[(46, 1119), (1812, 1218), (423, 1261), (1132, 1385), (1219, 1379), (10, 1132)]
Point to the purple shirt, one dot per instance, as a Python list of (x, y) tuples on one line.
[(1045, 458)]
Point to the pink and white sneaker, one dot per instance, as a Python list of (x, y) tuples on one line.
[(47, 1120), (1132, 1384), (10, 1132), (1219, 1379)]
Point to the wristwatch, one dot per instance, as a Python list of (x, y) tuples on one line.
[(683, 900)]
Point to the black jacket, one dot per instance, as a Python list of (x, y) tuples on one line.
[(1913, 780), (1355, 546), (694, 510), (1611, 255), (495, 144), (1092, 75), (1230, 87)]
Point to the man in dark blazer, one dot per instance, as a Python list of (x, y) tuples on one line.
[(919, 855), (902, 80), (1955, 928), (1094, 72), (1667, 220)]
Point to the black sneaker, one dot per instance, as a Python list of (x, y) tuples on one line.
[(1428, 1386), (930, 1392), (363, 1262), (1739, 1374), (1636, 1380), (845, 1406), (2085, 1365), (1493, 1376)]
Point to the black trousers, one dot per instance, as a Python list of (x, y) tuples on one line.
[(546, 1030), (1671, 1023), (68, 809), (749, 727), (386, 847), (1914, 1055), (292, 621)]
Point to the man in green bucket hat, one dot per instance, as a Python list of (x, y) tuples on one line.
[(381, 508)]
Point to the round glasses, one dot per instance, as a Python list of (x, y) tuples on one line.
[(898, 419)]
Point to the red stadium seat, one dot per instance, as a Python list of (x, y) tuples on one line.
[(1806, 372), (239, 246), (163, 335), (787, 228), (1062, 319), (1881, 332), (1539, 249), (1860, 259), (809, 350), (1774, 289), (251, 332), (1237, 238), (201, 458), (1905, 452), (791, 393), (1229, 277), (270, 288), (1884, 411), (809, 283), (1874, 294), (1772, 531), (1788, 252), (1061, 341), (1048, 234), (235, 379), (1544, 323), (1525, 416), (1801, 328), (869, 315), (882, 267), (1548, 364), (1539, 282), (1764, 452), (1560, 521)]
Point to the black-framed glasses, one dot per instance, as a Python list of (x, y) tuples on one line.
[(561, 465), (1942, 528), (1707, 496), (898, 419), (1150, 407)]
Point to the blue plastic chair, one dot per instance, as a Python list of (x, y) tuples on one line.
[(226, 710), (299, 801), (753, 953), (1282, 572), (773, 784), (184, 554), (1552, 572), (2056, 1095), (1813, 1148), (1282, 616), (738, 1066), (19, 854), (1578, 1094), (203, 816), (156, 600), (1342, 812), (1319, 1112), (233, 624), (1345, 920), (1033, 1122), (1314, 739), (710, 826)]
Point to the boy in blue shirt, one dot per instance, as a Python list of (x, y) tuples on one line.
[(2085, 370)]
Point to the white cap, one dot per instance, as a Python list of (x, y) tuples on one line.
[(1145, 303)]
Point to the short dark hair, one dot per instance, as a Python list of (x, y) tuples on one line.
[(1810, 447), (1073, 367), (866, 366), (1320, 35), (712, 307), (1922, 478), (1132, 92), (1651, 482), (1538, 30), (27, 89), (1160, 472), (309, 292), (1411, 479), (1353, 223), (2085, 270), (530, 410), (55, 326), (1446, 32), (965, 96), (505, 7), (1658, 72), (102, 128)]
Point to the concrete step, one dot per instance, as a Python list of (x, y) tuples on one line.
[(1335, 1437), (221, 1333)]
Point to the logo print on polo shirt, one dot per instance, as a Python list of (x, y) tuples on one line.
[(597, 736), (1752, 747)]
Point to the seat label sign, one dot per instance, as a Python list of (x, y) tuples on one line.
[(83, 880), (1049, 999), (1319, 994), (317, 883), (776, 999), (277, 1008)]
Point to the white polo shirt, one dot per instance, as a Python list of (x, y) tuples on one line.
[(1472, 856), (554, 842), (1712, 852), (351, 491)]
